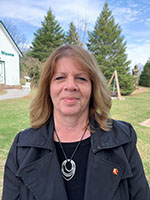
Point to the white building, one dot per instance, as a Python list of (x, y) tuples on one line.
[(9, 59)]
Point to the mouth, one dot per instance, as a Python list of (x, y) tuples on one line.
[(70, 99)]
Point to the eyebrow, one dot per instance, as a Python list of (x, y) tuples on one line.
[(77, 74)]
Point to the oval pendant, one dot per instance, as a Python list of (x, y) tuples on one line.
[(68, 173)]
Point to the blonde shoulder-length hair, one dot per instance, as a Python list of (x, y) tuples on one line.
[(100, 103)]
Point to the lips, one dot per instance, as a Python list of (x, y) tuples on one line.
[(70, 99)]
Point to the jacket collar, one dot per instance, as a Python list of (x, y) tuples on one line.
[(40, 138), (116, 136), (100, 139)]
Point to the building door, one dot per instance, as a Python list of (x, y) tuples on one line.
[(2, 72)]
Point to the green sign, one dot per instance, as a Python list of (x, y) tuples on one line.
[(7, 54)]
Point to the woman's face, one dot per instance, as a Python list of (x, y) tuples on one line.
[(70, 89)]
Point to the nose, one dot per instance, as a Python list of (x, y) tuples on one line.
[(71, 84)]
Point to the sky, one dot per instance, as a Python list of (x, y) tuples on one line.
[(132, 15)]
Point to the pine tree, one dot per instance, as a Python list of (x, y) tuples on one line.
[(72, 36), (107, 45), (47, 38), (145, 75)]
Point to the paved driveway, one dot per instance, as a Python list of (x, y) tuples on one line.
[(14, 93)]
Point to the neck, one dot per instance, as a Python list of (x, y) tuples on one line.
[(70, 128)]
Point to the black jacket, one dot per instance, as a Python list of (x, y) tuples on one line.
[(114, 170)]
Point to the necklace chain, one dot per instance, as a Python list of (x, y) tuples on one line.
[(69, 173)]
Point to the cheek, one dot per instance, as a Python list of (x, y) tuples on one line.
[(55, 92), (88, 92)]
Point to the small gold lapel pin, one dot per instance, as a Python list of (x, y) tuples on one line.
[(115, 171)]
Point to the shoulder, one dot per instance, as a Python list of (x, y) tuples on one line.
[(120, 132), (23, 137), (126, 127), (116, 128), (123, 129), (40, 137), (31, 136)]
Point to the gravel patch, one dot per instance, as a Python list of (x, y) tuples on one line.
[(14, 93)]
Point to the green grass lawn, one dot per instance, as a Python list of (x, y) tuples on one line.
[(135, 109), (14, 117)]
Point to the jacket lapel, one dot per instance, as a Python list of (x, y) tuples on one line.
[(103, 178), (39, 166), (105, 170), (43, 178)]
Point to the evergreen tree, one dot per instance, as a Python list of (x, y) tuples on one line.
[(145, 75), (107, 45), (72, 36), (47, 38)]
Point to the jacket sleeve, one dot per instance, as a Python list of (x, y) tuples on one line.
[(11, 185), (138, 186)]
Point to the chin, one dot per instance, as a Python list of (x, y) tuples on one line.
[(70, 113)]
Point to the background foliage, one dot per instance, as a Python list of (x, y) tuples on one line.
[(107, 45), (145, 75), (105, 42), (72, 36), (47, 38), (31, 67)]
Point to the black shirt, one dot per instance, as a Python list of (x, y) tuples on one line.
[(75, 187)]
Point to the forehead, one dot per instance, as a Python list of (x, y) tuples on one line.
[(69, 64)]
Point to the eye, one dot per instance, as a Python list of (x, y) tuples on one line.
[(81, 78), (59, 78)]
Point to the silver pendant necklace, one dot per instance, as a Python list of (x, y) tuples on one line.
[(68, 166)]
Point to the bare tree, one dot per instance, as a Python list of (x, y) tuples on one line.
[(19, 38), (31, 67), (82, 26)]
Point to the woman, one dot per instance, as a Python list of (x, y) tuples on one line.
[(73, 150)]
